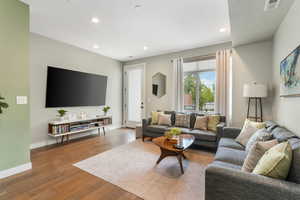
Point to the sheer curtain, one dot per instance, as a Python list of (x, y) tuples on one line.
[(178, 84), (223, 68)]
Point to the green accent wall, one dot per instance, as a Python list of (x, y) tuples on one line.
[(14, 81)]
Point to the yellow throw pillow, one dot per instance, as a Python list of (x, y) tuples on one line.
[(213, 121), (276, 162), (258, 125), (201, 123), (154, 117)]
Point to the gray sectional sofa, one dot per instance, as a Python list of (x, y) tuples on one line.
[(202, 138), (224, 179)]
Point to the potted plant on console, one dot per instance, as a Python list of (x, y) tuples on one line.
[(105, 110), (61, 114), (3, 104)]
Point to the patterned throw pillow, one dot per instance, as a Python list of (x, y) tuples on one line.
[(257, 151), (245, 134), (164, 119), (213, 121), (201, 123), (154, 117), (276, 162), (182, 120), (248, 130)]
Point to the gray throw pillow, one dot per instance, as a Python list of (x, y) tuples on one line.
[(260, 135)]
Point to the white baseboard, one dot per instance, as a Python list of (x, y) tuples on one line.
[(53, 141), (15, 170)]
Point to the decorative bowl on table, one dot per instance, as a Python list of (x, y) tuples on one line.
[(172, 135)]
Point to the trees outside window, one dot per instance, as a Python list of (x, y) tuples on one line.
[(199, 90)]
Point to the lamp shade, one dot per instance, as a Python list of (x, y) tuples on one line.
[(255, 90)]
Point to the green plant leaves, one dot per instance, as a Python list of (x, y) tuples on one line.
[(2, 104)]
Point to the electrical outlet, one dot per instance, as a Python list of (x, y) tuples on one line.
[(21, 100)]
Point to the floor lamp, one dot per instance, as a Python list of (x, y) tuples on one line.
[(255, 92)]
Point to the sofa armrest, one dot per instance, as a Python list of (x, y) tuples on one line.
[(146, 122), (220, 128), (231, 132), (231, 184)]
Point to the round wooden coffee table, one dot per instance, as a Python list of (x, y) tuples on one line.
[(167, 148)]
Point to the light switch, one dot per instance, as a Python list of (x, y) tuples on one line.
[(21, 99)]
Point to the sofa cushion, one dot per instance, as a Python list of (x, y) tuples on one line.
[(154, 117), (229, 155), (164, 119), (276, 162), (172, 113), (201, 123), (259, 135), (294, 173), (225, 165), (282, 134), (247, 131), (213, 121), (230, 143), (157, 128), (270, 125), (257, 150), (182, 120), (193, 118), (203, 135)]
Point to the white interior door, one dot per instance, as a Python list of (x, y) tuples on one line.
[(134, 101)]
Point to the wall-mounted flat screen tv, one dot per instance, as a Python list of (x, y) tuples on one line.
[(67, 88)]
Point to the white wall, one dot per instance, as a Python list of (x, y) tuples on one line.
[(252, 62), (163, 64), (43, 52), (286, 111)]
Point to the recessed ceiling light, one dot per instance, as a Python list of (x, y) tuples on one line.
[(95, 46), (145, 48), (222, 30), (95, 20)]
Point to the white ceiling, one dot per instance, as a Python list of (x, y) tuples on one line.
[(162, 25), (250, 23)]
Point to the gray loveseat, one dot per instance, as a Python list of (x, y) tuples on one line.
[(224, 179), (203, 138)]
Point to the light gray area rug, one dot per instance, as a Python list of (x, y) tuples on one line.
[(132, 167)]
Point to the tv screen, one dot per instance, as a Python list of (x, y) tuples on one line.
[(66, 88)]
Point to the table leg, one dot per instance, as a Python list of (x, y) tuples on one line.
[(62, 139), (103, 130), (179, 157), (161, 157)]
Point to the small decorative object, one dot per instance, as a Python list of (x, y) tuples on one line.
[(173, 134), (256, 92), (105, 109), (290, 74), (3, 104), (61, 113)]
